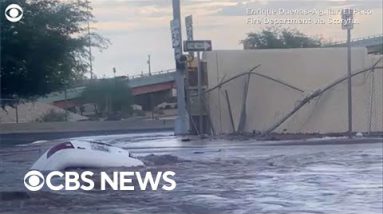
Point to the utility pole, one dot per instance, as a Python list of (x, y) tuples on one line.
[(347, 24), (150, 70), (111, 101), (17, 111), (349, 83), (90, 44), (66, 102), (182, 122)]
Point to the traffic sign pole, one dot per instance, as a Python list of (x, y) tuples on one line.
[(190, 37), (199, 83), (198, 46)]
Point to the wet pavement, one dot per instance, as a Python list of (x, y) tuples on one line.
[(329, 175)]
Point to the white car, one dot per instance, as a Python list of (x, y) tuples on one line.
[(84, 154)]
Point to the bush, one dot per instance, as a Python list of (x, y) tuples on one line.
[(52, 116), (138, 113), (111, 97)]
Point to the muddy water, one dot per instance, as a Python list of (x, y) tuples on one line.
[(216, 176)]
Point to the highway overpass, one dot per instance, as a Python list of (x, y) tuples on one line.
[(148, 90), (374, 44)]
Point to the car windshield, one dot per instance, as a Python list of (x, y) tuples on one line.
[(59, 147)]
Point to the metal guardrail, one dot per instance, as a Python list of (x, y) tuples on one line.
[(357, 40), (135, 81), (152, 74)]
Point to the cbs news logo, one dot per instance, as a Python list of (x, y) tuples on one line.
[(13, 13)]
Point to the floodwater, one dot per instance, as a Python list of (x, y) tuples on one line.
[(216, 176)]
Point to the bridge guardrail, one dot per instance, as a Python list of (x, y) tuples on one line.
[(356, 40)]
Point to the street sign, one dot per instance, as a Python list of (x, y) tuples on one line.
[(347, 19), (176, 38), (189, 27), (176, 33), (197, 45)]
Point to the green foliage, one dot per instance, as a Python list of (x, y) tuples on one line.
[(273, 38), (111, 96), (53, 116), (47, 49)]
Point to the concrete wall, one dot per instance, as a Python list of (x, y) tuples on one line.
[(306, 69)]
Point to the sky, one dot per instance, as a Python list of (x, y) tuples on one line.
[(137, 28)]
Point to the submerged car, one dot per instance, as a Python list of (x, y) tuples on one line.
[(84, 154)]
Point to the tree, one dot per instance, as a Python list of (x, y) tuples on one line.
[(47, 49), (273, 38), (110, 96)]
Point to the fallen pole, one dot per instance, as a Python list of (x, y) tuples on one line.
[(278, 81), (242, 119), (204, 104), (230, 112), (192, 121), (232, 78), (252, 73), (316, 94)]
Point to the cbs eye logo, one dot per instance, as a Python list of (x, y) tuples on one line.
[(13, 13), (34, 180)]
